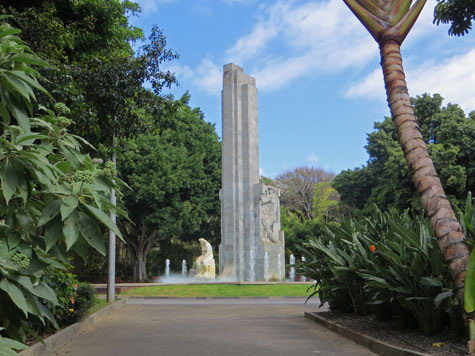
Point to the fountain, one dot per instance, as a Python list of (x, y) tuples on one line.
[(266, 266), (184, 269), (279, 267), (292, 268), (167, 268), (303, 279)]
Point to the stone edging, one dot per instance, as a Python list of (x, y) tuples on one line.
[(62, 337), (209, 298), (379, 347)]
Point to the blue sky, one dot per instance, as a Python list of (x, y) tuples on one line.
[(317, 71)]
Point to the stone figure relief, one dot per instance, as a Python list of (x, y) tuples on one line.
[(270, 215)]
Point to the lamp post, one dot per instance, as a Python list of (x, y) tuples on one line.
[(112, 240)]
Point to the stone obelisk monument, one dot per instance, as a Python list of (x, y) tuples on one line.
[(252, 245)]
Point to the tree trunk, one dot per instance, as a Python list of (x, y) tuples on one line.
[(446, 227), (138, 247), (139, 262)]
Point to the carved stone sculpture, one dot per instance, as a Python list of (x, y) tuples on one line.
[(205, 265), (270, 218)]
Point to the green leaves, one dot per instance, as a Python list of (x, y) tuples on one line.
[(92, 233), (102, 217), (40, 200), (15, 294), (49, 212), (9, 181), (459, 13), (470, 285), (68, 205), (7, 346), (386, 259), (71, 230)]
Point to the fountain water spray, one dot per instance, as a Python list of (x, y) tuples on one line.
[(292, 268), (184, 269), (167, 268)]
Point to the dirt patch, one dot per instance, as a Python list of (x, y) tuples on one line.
[(444, 344)]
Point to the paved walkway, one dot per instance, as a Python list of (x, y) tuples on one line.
[(257, 327)]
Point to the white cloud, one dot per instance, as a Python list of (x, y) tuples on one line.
[(207, 76), (452, 78), (313, 159), (151, 6), (371, 87), (261, 172), (296, 39), (291, 40)]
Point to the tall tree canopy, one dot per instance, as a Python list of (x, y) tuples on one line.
[(307, 201), (385, 180), (459, 13), (297, 188), (175, 174), (94, 68)]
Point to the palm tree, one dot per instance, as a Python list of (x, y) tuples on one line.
[(389, 22)]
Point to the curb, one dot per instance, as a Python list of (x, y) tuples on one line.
[(62, 337), (210, 298), (379, 347)]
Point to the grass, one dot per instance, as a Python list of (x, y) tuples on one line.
[(98, 304), (221, 290)]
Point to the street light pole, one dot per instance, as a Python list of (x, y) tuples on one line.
[(112, 240)]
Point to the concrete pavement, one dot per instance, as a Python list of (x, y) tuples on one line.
[(249, 327)]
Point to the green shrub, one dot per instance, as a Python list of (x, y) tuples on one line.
[(389, 262), (84, 299), (74, 298)]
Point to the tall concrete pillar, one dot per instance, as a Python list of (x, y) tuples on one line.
[(242, 249)]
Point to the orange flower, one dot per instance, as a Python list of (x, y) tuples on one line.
[(372, 248), (75, 286), (71, 299)]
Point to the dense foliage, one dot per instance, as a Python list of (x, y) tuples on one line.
[(74, 298), (389, 265), (94, 69), (459, 13), (385, 180), (174, 175), (53, 198)]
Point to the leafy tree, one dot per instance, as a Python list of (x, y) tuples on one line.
[(459, 13), (389, 23), (325, 200), (385, 180), (298, 232), (297, 188), (94, 68), (308, 200), (53, 198), (174, 173)]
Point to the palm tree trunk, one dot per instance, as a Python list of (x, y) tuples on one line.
[(446, 227)]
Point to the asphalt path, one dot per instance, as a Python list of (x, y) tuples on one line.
[(215, 327)]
